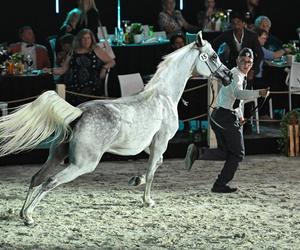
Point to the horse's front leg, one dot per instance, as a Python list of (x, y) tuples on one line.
[(157, 148)]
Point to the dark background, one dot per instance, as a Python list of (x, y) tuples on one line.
[(42, 17)]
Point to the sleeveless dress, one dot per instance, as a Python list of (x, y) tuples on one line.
[(83, 77)]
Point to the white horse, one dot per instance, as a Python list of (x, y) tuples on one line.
[(125, 126)]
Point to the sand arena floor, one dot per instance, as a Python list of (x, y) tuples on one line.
[(100, 211)]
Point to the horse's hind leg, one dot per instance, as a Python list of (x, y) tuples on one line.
[(57, 154), (68, 174), (138, 180), (158, 147)]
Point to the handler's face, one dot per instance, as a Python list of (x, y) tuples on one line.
[(244, 64)]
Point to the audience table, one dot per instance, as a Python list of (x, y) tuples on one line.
[(275, 76), (18, 87), (139, 58)]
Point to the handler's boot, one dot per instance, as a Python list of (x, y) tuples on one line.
[(217, 188), (192, 154)]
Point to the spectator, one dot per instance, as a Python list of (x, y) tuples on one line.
[(250, 9), (205, 16), (89, 17), (37, 53), (69, 25), (65, 45), (273, 43), (232, 42), (177, 41), (268, 55), (172, 21), (237, 38), (84, 70)]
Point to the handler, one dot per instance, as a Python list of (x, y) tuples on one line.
[(227, 121)]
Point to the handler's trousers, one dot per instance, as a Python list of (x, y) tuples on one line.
[(230, 142)]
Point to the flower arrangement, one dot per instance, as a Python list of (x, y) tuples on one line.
[(136, 28), (17, 58), (292, 47), (219, 15), (291, 118)]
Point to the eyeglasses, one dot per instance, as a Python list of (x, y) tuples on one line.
[(246, 62)]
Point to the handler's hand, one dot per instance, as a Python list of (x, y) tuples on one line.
[(242, 121), (264, 92)]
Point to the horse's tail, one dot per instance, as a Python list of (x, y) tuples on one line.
[(34, 122)]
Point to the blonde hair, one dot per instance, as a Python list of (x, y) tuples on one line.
[(85, 6), (78, 38)]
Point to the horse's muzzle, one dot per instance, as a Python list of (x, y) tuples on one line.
[(225, 76)]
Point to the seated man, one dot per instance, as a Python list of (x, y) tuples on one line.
[(226, 121), (28, 47), (273, 43)]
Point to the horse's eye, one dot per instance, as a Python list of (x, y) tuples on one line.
[(214, 56)]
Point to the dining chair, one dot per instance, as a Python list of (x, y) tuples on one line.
[(130, 84), (293, 81)]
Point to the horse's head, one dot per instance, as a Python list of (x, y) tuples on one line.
[(208, 62)]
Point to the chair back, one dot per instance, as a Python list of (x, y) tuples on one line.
[(130, 84), (52, 52), (190, 37), (293, 82)]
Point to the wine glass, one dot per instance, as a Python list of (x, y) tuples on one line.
[(29, 63)]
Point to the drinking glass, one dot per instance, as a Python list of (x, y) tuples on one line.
[(29, 63)]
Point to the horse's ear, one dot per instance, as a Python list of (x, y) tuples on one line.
[(199, 40)]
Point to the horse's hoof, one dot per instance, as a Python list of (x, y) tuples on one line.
[(29, 222), (150, 203), (135, 181), (22, 214)]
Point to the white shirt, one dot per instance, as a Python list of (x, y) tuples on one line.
[(227, 95), (29, 51)]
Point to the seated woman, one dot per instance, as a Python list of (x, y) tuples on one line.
[(205, 16), (85, 68), (172, 21)]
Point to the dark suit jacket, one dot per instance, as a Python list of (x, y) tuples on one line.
[(250, 40), (42, 58)]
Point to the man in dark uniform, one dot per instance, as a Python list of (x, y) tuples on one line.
[(226, 121)]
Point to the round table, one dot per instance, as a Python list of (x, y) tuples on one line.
[(139, 58), (16, 87)]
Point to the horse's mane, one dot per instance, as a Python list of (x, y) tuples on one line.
[(150, 90), (173, 58)]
